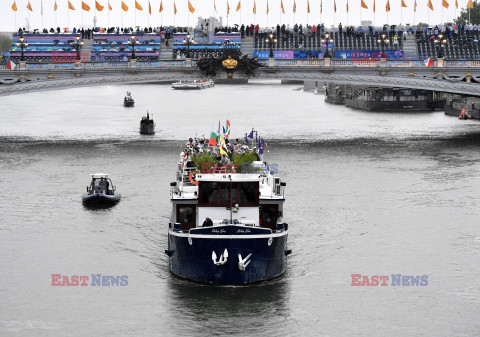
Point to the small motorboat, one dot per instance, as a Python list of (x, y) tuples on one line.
[(193, 85), (101, 192), (464, 115), (147, 125), (128, 100)]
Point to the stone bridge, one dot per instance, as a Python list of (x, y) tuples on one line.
[(461, 77)]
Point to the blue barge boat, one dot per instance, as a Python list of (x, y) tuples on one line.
[(227, 227)]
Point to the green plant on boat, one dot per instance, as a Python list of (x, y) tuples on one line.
[(244, 161), (205, 161)]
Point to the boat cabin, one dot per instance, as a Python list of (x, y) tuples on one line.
[(231, 198), (101, 184)]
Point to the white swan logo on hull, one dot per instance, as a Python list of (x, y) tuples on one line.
[(241, 262), (222, 259)]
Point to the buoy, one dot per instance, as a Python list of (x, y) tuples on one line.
[(192, 179)]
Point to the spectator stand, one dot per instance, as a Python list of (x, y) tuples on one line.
[(115, 47), (45, 48)]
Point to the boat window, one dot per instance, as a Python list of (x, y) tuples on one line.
[(249, 193), (208, 192), (218, 194), (226, 193), (186, 216), (269, 216)]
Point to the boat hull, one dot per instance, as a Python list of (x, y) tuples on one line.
[(100, 200), (147, 129), (191, 255), (128, 104)]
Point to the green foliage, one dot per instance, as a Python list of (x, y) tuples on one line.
[(474, 15), (207, 159), (421, 24), (5, 43), (244, 161)]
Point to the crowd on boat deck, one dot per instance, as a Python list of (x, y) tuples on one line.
[(224, 154)]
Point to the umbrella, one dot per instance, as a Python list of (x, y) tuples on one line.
[(163, 32)]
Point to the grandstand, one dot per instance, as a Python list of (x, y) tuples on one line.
[(460, 45), (345, 45), (202, 47), (45, 48), (115, 47)]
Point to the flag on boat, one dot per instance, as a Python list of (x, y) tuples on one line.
[(429, 62), (213, 138), (223, 147), (246, 139), (251, 134), (260, 146), (10, 65), (227, 129)]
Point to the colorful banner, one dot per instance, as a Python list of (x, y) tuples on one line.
[(368, 54), (289, 54), (277, 54)]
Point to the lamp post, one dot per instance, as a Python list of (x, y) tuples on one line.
[(188, 41), (327, 40), (77, 45), (383, 40), (271, 41), (440, 41), (22, 44), (133, 42)]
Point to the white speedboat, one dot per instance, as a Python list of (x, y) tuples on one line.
[(193, 84)]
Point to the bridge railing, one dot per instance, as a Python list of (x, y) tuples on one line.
[(462, 63), (276, 63), (405, 63), (299, 63)]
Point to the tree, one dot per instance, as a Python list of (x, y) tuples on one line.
[(5, 43), (474, 15)]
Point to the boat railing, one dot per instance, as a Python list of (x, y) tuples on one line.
[(186, 172)]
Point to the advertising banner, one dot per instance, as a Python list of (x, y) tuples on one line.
[(368, 54)]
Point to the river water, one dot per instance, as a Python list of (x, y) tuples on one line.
[(367, 193)]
